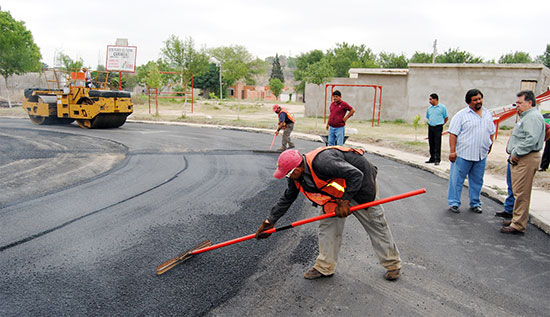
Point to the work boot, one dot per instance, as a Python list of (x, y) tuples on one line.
[(392, 275), (314, 274), (291, 146)]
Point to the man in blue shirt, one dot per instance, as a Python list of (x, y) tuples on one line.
[(470, 140), (437, 117)]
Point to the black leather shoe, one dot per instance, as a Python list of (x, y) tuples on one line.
[(429, 161), (454, 209), (477, 209), (506, 222), (503, 214), (541, 169), (436, 163), (510, 230)]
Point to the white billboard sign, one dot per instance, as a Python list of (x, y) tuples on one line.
[(121, 58)]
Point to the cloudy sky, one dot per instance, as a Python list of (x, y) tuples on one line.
[(83, 29)]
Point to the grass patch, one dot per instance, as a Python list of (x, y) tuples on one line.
[(415, 143)]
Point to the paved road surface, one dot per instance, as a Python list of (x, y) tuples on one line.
[(88, 242)]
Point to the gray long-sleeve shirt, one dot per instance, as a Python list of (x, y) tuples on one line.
[(359, 173), (528, 134)]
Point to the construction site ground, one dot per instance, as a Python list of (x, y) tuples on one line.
[(396, 139)]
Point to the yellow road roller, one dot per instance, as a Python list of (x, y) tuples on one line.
[(72, 98)]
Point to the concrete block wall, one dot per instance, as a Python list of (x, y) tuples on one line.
[(499, 84), (405, 93), (17, 84)]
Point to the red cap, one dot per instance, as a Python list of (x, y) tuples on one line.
[(288, 160), (275, 107)]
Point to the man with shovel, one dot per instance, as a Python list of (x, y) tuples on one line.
[(335, 177), (286, 123)]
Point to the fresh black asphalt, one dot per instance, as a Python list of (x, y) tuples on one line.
[(91, 247)]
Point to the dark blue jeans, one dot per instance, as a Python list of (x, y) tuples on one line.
[(509, 202)]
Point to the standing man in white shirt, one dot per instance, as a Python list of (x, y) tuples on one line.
[(470, 140)]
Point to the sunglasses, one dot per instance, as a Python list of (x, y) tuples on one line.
[(290, 173)]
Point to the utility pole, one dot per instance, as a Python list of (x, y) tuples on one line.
[(435, 51), (221, 94)]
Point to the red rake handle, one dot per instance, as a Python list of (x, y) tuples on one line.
[(272, 142), (312, 219)]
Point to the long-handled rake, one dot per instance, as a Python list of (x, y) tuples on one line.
[(272, 142), (207, 245)]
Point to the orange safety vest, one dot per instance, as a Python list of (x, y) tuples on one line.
[(288, 115), (333, 188)]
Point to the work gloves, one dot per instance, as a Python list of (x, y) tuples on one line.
[(264, 226), (342, 210)]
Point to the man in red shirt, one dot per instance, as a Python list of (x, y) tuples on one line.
[(340, 111)]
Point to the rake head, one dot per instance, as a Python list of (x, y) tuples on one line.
[(164, 267)]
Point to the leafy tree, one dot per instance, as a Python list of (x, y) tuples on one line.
[(237, 64), (391, 60), (346, 56), (209, 81), (18, 52), (114, 77), (455, 56), (277, 70), (184, 58), (276, 86), (545, 58), (319, 72), (69, 64), (257, 67), (420, 57), (302, 63), (154, 80), (515, 58)]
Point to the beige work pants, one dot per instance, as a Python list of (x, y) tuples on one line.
[(522, 182), (286, 143), (374, 222)]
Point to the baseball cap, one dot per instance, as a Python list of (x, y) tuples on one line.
[(288, 160)]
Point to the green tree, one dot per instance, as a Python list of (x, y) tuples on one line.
[(515, 58), (421, 57), (276, 86), (302, 63), (18, 52), (391, 60), (545, 58), (346, 56), (319, 73), (69, 64), (237, 64), (277, 70), (184, 58), (209, 81), (455, 56)]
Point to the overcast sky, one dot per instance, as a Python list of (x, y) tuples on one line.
[(83, 29)]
